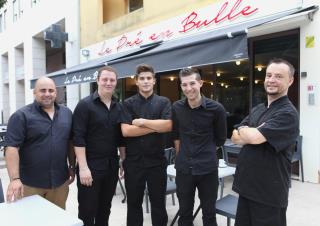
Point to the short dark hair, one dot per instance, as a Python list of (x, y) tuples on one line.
[(106, 68), (282, 61), (144, 68), (189, 71)]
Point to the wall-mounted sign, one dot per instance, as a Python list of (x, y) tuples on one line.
[(310, 41), (218, 15)]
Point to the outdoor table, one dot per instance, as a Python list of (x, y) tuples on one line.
[(35, 211)]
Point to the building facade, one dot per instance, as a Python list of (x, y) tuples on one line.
[(24, 52), (229, 41)]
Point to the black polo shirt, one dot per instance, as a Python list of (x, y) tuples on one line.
[(97, 128), (200, 130), (43, 144), (263, 170), (147, 150)]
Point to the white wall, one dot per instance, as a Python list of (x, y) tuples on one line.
[(310, 115)]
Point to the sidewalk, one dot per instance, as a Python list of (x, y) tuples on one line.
[(303, 210)]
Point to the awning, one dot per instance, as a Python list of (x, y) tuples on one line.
[(217, 46), (87, 72)]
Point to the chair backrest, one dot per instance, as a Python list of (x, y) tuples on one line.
[(1, 192), (169, 153), (226, 150), (298, 150)]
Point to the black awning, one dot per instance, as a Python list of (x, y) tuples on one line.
[(192, 51), (87, 72)]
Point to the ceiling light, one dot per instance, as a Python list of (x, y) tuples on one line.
[(222, 84), (132, 76), (241, 78), (171, 79), (256, 81), (226, 86), (238, 62), (211, 83), (259, 68), (218, 74)]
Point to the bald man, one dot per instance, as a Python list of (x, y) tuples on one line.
[(38, 154)]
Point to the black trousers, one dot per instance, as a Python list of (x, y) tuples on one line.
[(136, 179), (207, 186), (95, 201), (251, 213)]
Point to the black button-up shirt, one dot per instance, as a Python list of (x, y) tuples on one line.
[(147, 150), (97, 128), (263, 170), (200, 130), (43, 144)]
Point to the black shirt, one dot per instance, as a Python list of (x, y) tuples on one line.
[(263, 170), (97, 128), (43, 144), (200, 130), (147, 150)]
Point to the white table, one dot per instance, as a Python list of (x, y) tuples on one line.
[(35, 211)]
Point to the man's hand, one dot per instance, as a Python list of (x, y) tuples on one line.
[(138, 122), (85, 176), (15, 190), (71, 175)]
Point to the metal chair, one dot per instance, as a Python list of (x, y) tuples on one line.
[(297, 155), (1, 192), (230, 148), (169, 153), (227, 206)]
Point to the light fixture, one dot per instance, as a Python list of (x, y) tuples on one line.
[(218, 74), (132, 76), (259, 68), (222, 84), (171, 79), (238, 62), (241, 78), (85, 52), (256, 81), (211, 83), (226, 86)]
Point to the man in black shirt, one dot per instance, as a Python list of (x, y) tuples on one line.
[(268, 137), (97, 136), (37, 147), (199, 126), (146, 119)]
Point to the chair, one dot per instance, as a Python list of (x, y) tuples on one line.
[(297, 155), (227, 206), (169, 153), (1, 192), (231, 148)]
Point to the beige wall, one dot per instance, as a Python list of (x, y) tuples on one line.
[(93, 28)]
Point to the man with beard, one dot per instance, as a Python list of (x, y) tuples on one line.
[(268, 136), (37, 146)]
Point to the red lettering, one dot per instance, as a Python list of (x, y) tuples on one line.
[(122, 42), (191, 22), (104, 50)]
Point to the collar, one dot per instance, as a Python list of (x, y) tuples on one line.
[(39, 107), (203, 102), (278, 102), (143, 98), (95, 96)]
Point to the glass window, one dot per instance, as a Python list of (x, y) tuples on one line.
[(135, 4)]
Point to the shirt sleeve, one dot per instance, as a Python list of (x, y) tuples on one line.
[(175, 125), (16, 130), (220, 126), (281, 130), (166, 111), (80, 124), (126, 115)]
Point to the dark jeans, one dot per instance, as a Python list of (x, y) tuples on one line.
[(136, 179), (251, 213), (207, 186), (95, 201)]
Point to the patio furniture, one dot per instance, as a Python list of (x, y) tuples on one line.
[(1, 192), (297, 155), (227, 206)]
